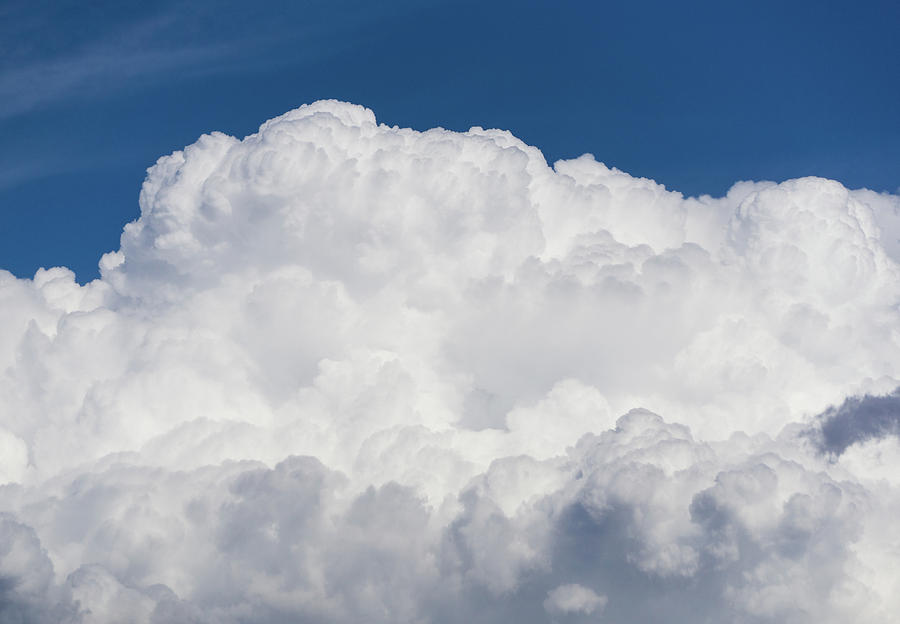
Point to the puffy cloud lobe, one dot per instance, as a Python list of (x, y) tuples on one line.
[(339, 371), (573, 599)]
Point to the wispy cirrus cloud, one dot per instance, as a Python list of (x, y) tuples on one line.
[(129, 55), (164, 42)]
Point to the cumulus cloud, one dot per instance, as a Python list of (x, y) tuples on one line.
[(339, 371), (573, 599)]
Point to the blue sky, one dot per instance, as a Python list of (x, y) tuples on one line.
[(695, 95)]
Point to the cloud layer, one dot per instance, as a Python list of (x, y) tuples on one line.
[(344, 372)]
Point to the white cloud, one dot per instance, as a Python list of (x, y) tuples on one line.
[(340, 372), (573, 599)]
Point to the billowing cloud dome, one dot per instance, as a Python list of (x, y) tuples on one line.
[(343, 372)]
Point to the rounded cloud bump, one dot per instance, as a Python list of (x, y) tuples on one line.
[(342, 372)]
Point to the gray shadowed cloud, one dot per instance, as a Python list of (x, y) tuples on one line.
[(857, 419)]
